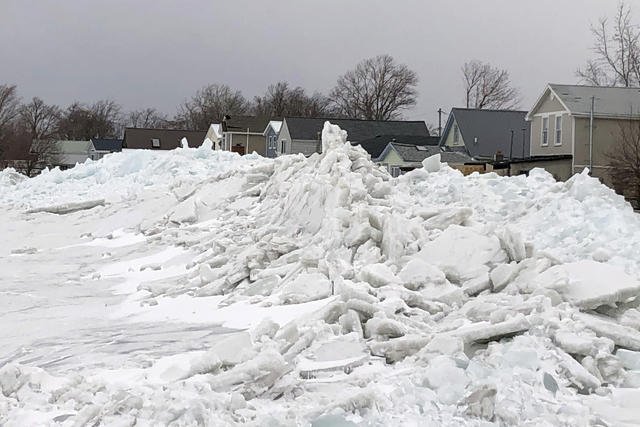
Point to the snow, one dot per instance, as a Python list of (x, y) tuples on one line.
[(200, 287)]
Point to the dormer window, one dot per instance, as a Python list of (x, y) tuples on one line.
[(155, 143)]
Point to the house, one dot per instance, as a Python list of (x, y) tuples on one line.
[(214, 134), (66, 154), (303, 135), (160, 139), (483, 133), (376, 145), (104, 146), (244, 134), (399, 157), (271, 137), (562, 125)]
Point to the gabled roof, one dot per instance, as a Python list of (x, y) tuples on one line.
[(610, 102), (417, 153), (376, 145), (140, 138), (273, 124), (492, 128), (106, 144), (303, 128), (242, 124)]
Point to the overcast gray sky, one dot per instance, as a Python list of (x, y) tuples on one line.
[(156, 53)]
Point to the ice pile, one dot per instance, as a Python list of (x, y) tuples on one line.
[(431, 299)]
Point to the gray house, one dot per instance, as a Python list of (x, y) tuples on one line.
[(106, 146), (271, 137), (483, 133), (303, 135), (561, 124)]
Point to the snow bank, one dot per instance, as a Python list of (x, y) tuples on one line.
[(430, 299)]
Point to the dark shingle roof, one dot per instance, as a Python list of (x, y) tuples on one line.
[(169, 138), (110, 145), (416, 154), (375, 146), (242, 123), (493, 130), (358, 130)]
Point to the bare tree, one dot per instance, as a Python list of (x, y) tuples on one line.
[(209, 105), (488, 87), (624, 162), (40, 119), (8, 111), (146, 118), (377, 89), (280, 100), (617, 52), (82, 122)]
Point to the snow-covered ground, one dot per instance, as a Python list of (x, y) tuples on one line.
[(198, 287)]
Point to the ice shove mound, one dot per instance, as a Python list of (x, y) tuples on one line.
[(437, 299)]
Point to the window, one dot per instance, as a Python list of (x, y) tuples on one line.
[(456, 134), (545, 131), (283, 145), (394, 171), (155, 143), (558, 130)]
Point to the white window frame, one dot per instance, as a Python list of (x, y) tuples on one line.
[(544, 142), (155, 142), (558, 130), (283, 146)]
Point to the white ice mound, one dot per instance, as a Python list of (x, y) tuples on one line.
[(432, 163), (332, 136), (430, 299)]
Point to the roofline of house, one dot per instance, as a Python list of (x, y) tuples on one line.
[(353, 120), (164, 130), (489, 110)]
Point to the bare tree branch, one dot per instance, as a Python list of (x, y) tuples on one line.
[(377, 89), (209, 105), (616, 51), (488, 87), (624, 160)]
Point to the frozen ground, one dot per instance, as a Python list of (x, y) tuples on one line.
[(200, 287)]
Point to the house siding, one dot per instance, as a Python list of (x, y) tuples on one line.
[(549, 105), (393, 159), (285, 136), (251, 142), (560, 169), (606, 134), (448, 141), (537, 149), (271, 151), (306, 147)]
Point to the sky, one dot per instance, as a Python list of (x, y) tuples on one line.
[(157, 53)]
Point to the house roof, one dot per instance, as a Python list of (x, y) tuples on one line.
[(254, 124), (140, 138), (110, 145), (376, 145), (492, 128), (417, 153), (273, 124), (610, 102), (303, 128)]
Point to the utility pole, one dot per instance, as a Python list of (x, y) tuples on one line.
[(511, 147), (593, 101), (440, 122)]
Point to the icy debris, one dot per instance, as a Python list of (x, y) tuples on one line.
[(630, 359), (481, 403), (432, 163), (589, 284), (485, 331), (462, 253), (66, 208), (622, 336), (306, 287)]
